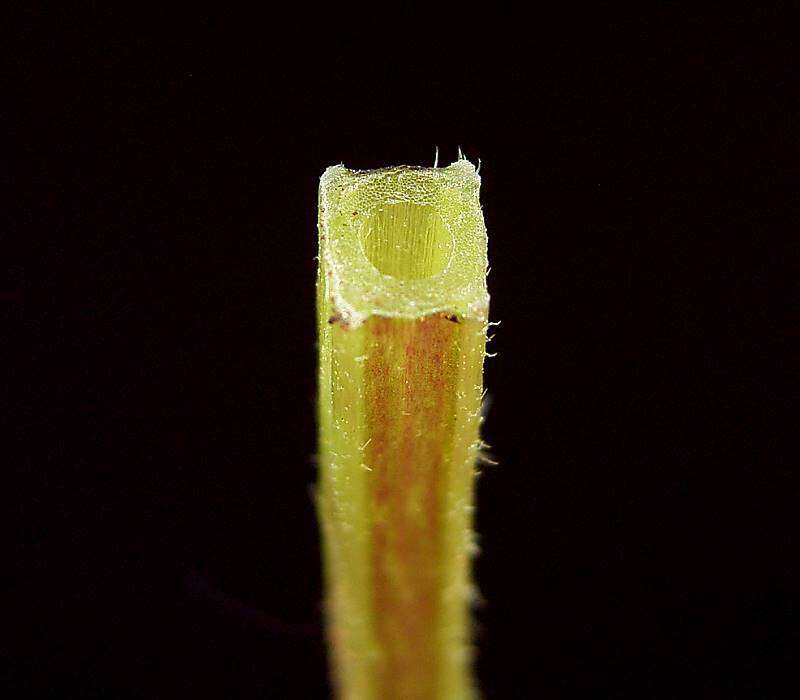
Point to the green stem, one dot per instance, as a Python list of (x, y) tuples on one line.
[(402, 308)]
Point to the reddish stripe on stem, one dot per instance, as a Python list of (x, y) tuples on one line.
[(410, 374)]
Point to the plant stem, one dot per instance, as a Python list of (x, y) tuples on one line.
[(402, 315)]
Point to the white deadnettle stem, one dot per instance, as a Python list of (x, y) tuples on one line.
[(402, 317)]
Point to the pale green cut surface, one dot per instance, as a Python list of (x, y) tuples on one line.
[(403, 242)]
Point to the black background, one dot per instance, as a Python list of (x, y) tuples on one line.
[(636, 536)]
